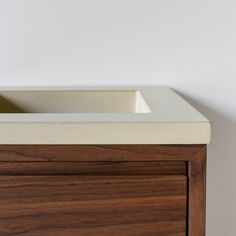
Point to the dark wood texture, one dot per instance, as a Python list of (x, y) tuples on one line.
[(87, 190), (94, 168), (93, 205), (197, 194), (98, 152)]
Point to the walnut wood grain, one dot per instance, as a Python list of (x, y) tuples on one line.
[(197, 194), (93, 205), (105, 164), (94, 168), (99, 152)]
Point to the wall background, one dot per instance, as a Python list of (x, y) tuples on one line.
[(186, 44)]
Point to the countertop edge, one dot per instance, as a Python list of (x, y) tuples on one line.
[(106, 133)]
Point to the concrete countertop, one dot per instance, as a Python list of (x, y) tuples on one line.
[(147, 115)]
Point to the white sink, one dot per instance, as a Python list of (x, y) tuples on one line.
[(100, 101), (99, 115)]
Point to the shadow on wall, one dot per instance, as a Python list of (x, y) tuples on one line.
[(221, 176)]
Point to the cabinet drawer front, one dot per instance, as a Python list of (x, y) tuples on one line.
[(94, 168), (98, 152), (93, 205)]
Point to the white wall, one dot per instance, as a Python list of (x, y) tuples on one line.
[(189, 45)]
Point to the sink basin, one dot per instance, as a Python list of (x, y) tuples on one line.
[(99, 115), (100, 101)]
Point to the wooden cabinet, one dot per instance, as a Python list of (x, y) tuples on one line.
[(92, 190)]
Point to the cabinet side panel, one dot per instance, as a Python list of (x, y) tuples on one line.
[(197, 194)]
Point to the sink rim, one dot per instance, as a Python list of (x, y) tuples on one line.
[(166, 107), (72, 101)]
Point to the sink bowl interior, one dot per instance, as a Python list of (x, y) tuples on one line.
[(89, 101)]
